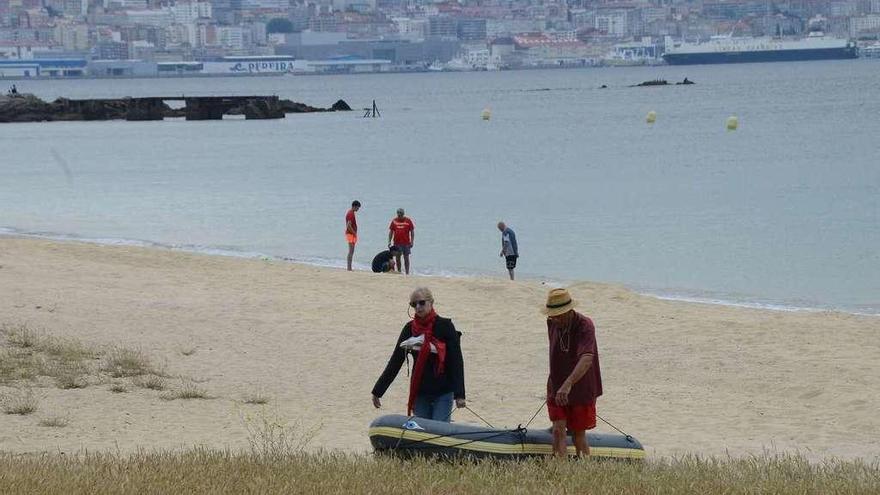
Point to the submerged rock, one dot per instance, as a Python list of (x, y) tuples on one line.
[(655, 82), (340, 106)]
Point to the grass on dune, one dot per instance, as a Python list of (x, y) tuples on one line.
[(26, 353), (20, 402), (207, 471)]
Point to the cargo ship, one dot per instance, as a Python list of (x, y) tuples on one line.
[(731, 50)]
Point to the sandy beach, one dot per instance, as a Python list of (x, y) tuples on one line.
[(681, 377)]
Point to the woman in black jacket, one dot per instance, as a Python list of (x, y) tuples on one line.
[(438, 373)]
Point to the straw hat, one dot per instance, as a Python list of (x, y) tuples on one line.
[(559, 301)]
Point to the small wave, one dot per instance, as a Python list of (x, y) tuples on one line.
[(757, 304)]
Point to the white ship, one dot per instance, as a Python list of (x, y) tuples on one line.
[(730, 49)]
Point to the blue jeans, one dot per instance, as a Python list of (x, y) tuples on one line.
[(436, 407)]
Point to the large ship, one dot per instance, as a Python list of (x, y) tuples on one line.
[(731, 50)]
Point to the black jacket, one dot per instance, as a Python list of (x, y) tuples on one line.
[(381, 260), (452, 378)]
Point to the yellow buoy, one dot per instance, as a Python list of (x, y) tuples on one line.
[(732, 123), (486, 114), (652, 117)]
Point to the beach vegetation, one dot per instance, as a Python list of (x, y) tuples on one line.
[(188, 390), (118, 388), (19, 401), (123, 362), (20, 335), (27, 353), (273, 437), (150, 382), (203, 471), (54, 421), (256, 397), (71, 380)]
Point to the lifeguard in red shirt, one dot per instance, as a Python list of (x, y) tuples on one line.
[(351, 229), (575, 381), (402, 234)]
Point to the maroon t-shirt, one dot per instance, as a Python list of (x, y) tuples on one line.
[(566, 349)]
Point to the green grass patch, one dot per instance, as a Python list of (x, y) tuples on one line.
[(223, 472)]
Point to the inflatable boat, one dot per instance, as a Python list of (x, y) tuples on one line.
[(409, 435)]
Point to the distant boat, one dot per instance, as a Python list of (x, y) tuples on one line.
[(870, 51), (729, 49), (458, 65)]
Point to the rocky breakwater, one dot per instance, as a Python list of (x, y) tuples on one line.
[(29, 108)]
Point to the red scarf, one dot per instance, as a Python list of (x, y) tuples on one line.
[(425, 326)]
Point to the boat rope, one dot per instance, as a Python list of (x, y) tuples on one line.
[(543, 403), (400, 439), (626, 435), (477, 415)]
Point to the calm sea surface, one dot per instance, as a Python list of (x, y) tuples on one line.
[(784, 211)]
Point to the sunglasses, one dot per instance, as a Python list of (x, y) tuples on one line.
[(420, 302)]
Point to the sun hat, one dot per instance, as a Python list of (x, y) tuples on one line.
[(559, 301)]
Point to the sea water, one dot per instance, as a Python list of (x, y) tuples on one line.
[(781, 212)]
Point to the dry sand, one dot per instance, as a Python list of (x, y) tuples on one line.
[(681, 377)]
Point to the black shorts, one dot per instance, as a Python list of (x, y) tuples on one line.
[(511, 261)]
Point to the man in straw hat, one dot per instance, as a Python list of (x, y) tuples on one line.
[(575, 381)]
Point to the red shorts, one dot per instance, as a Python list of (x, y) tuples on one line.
[(351, 238), (577, 418)]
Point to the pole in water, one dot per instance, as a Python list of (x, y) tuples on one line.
[(651, 117), (732, 123)]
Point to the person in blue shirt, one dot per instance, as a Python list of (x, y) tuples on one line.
[(509, 249)]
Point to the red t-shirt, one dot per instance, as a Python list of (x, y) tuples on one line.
[(349, 217), (401, 227), (566, 348)]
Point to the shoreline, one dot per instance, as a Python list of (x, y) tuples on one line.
[(693, 297), (680, 377)]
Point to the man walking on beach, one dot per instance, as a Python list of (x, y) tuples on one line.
[(575, 381), (402, 235), (351, 229), (509, 250)]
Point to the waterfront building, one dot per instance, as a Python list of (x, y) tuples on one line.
[(122, 68), (442, 26), (39, 67), (865, 24), (471, 29), (249, 65)]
